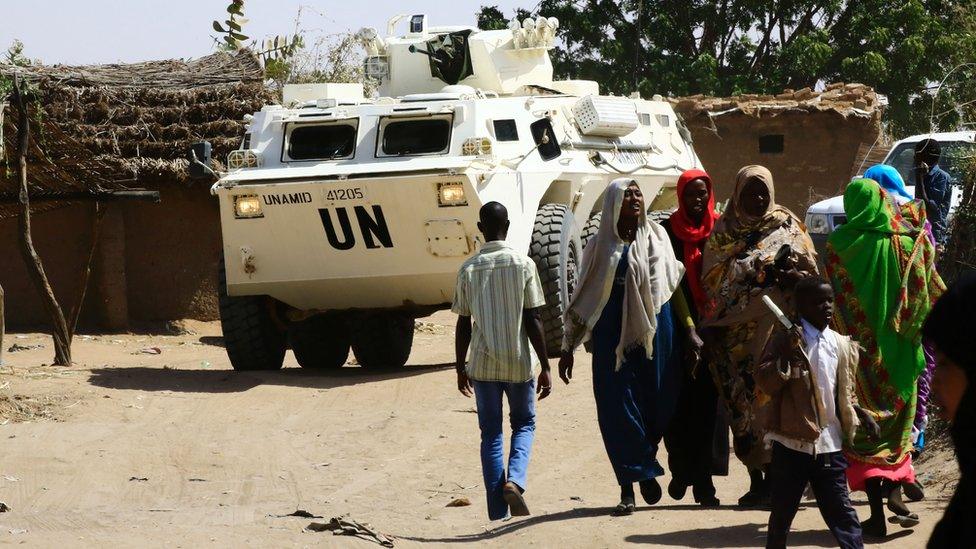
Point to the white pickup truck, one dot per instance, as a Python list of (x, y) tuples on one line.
[(826, 215)]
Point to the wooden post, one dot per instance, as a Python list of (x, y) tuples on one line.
[(1, 324), (62, 338)]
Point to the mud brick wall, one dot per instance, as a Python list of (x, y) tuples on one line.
[(171, 252), (818, 151)]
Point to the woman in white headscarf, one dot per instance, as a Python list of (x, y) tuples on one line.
[(629, 274)]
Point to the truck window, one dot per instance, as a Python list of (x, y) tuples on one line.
[(903, 159), (415, 136), (321, 141)]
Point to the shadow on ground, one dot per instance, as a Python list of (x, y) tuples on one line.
[(228, 381), (741, 535), (745, 535), (515, 525)]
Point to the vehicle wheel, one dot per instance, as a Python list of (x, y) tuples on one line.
[(590, 229), (555, 248), (320, 342), (660, 216), (382, 341), (252, 338)]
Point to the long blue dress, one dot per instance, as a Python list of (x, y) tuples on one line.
[(635, 404)]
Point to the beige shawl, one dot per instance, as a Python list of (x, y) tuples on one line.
[(653, 274)]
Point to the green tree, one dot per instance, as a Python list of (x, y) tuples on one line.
[(725, 47)]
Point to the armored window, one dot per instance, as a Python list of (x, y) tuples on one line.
[(505, 130), (415, 136), (320, 141), (771, 144), (663, 120)]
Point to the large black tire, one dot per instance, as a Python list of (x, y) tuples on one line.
[(320, 342), (382, 341), (252, 338), (593, 224), (659, 216), (555, 229), (591, 228)]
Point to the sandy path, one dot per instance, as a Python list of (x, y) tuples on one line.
[(222, 452)]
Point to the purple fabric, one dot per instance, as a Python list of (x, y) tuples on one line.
[(924, 386)]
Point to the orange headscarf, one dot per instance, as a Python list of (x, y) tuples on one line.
[(693, 235)]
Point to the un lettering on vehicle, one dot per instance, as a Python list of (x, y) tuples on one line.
[(370, 220), (287, 198)]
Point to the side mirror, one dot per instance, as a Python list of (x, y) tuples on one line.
[(199, 157), (545, 139)]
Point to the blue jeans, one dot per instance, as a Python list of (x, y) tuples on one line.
[(521, 404)]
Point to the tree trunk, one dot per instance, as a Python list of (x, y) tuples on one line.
[(62, 338), (1, 325)]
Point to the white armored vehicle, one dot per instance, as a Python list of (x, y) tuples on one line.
[(345, 218)]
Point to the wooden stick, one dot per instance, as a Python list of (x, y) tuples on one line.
[(62, 339), (106, 196), (99, 213)]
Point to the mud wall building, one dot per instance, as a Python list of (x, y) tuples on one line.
[(153, 262), (811, 141)]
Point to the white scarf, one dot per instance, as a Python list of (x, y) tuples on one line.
[(653, 274)]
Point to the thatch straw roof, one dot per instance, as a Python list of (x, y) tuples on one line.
[(134, 123)]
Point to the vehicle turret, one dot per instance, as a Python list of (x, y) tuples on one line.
[(426, 59)]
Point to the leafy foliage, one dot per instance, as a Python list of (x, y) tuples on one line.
[(14, 56), (960, 253), (233, 36), (303, 58), (726, 47)]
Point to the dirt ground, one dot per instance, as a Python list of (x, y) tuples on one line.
[(174, 449)]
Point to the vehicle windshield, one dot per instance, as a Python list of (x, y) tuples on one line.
[(322, 142), (902, 158), (418, 136)]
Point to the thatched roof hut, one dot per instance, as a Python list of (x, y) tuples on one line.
[(135, 121), (108, 129)]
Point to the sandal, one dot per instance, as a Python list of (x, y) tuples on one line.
[(905, 521), (624, 508)]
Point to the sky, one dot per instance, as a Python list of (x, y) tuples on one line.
[(107, 31)]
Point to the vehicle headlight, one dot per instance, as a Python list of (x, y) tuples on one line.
[(476, 146), (451, 194), (247, 206), (817, 224)]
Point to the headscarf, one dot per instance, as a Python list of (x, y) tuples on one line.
[(653, 274), (693, 235), (889, 179), (738, 242), (883, 270), (737, 220)]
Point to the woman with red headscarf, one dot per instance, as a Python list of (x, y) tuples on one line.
[(697, 442)]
